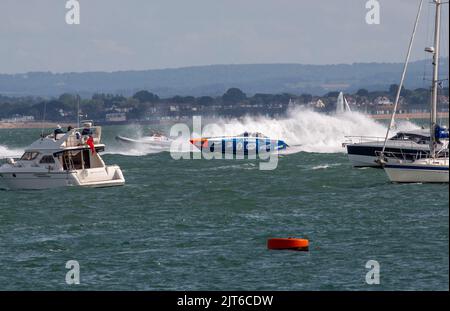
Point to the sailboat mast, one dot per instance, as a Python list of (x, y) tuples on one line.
[(405, 67), (78, 111), (434, 91)]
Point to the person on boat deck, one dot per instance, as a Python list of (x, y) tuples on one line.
[(69, 128), (78, 135), (57, 131), (87, 130)]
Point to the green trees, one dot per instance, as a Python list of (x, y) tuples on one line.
[(205, 101), (419, 97), (306, 98), (362, 93), (183, 99), (234, 96), (332, 94), (393, 90), (146, 97), (234, 102)]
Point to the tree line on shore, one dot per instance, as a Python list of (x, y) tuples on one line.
[(234, 102)]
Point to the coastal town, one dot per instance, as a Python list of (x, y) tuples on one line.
[(147, 107)]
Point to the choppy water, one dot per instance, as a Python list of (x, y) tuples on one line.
[(203, 225)]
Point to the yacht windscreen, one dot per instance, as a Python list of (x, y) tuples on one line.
[(29, 156), (410, 137), (48, 159), (255, 134)]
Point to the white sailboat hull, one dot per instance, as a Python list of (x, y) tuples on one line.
[(420, 171)]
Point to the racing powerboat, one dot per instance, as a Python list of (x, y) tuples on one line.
[(244, 143), (62, 159), (155, 141)]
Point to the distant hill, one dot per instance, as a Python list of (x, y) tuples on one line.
[(216, 79)]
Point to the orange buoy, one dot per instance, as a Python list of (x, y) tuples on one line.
[(288, 243)]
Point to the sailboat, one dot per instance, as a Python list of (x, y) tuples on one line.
[(434, 167), (342, 104)]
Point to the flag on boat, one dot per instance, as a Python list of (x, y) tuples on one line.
[(90, 143)]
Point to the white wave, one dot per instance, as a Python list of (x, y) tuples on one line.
[(134, 131), (309, 131), (7, 152), (325, 166), (302, 129), (136, 151)]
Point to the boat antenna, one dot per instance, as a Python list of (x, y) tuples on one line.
[(43, 118), (405, 67), (78, 110)]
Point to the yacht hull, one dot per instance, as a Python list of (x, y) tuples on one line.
[(365, 155), (419, 172), (363, 160), (109, 176), (34, 181)]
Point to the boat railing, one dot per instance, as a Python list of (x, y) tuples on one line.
[(76, 138), (443, 153), (406, 143), (13, 159), (409, 156), (362, 139)]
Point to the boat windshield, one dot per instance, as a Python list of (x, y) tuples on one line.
[(411, 137), (253, 134), (29, 156)]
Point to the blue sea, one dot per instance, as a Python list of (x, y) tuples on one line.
[(204, 224)]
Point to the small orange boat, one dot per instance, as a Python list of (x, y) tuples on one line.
[(288, 244)]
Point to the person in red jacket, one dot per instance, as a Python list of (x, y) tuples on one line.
[(90, 143)]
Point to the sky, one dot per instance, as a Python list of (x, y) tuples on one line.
[(118, 35)]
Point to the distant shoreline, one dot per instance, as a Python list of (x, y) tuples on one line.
[(47, 125), (31, 125), (422, 115)]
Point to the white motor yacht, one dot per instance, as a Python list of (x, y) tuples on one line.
[(362, 150), (58, 160)]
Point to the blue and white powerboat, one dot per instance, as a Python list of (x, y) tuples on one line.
[(245, 143)]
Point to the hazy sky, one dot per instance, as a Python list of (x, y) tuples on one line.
[(148, 34)]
